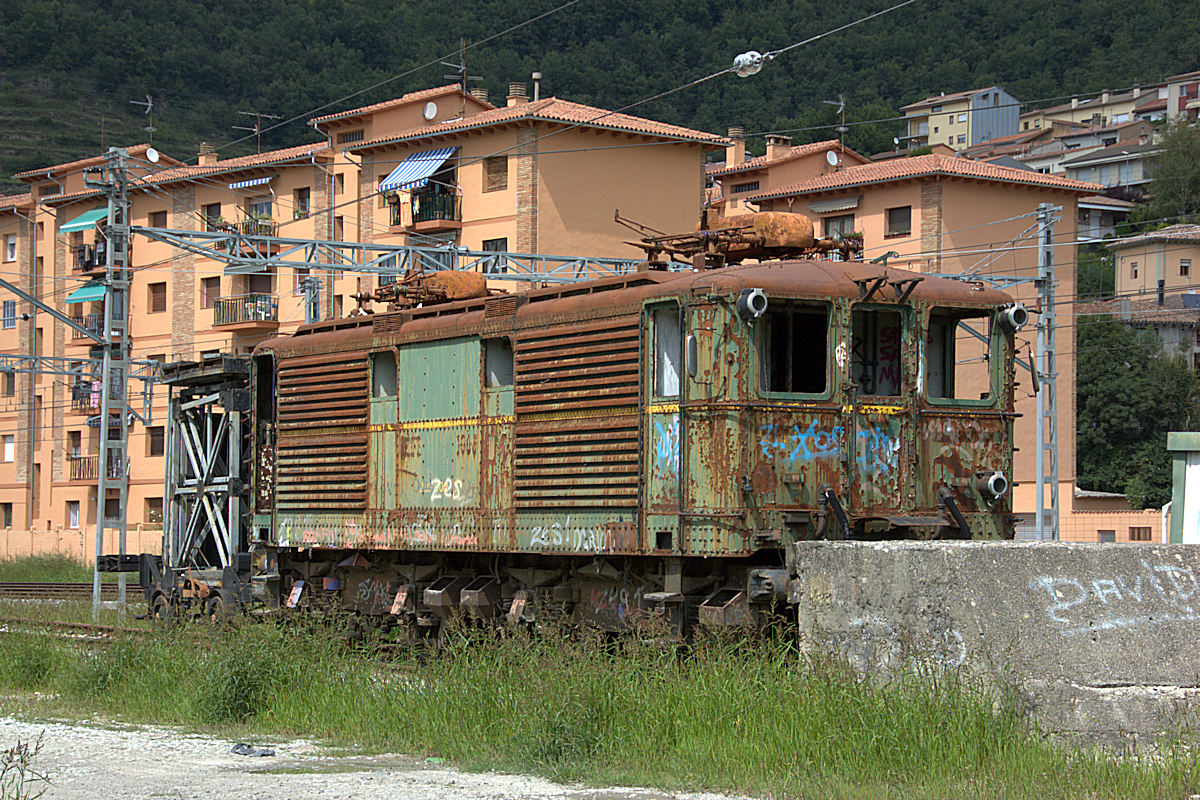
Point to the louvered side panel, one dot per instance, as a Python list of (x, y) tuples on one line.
[(321, 458), (576, 400)]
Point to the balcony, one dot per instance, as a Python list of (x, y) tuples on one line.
[(89, 258), (85, 397), (90, 322), (431, 212), (247, 312), (259, 226), (85, 468)]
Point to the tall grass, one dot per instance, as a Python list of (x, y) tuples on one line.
[(754, 716), (48, 568)]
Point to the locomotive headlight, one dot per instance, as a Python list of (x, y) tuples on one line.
[(752, 304), (992, 485), (1014, 317)]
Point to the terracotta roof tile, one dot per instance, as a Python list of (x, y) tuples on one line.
[(13, 200), (411, 97), (1171, 233), (71, 166), (799, 151), (1146, 311), (920, 167), (549, 109), (1102, 200)]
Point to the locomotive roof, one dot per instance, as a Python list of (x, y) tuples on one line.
[(815, 279)]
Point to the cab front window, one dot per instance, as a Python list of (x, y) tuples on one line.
[(794, 348), (958, 355)]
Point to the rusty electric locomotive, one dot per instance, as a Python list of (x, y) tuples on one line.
[(652, 441)]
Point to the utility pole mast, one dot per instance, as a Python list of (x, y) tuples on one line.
[(1047, 401), (113, 469), (310, 289)]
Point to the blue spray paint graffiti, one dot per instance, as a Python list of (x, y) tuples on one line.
[(666, 446), (877, 451)]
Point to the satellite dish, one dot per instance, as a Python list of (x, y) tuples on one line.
[(151, 155), (832, 158), (896, 141), (430, 110)]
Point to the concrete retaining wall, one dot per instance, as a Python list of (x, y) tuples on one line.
[(1102, 639)]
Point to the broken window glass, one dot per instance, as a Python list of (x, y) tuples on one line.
[(958, 354), (875, 352), (794, 348)]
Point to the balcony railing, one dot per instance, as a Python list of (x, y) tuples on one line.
[(84, 468), (255, 226), (246, 308), (90, 322), (85, 397), (430, 207)]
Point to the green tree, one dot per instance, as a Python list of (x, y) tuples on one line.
[(1095, 276), (1175, 177), (1130, 393)]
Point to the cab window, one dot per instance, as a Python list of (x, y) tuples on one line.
[(958, 354), (794, 348), (875, 339)]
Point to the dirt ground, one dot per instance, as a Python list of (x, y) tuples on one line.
[(86, 762)]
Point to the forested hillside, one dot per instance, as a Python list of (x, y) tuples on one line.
[(69, 68)]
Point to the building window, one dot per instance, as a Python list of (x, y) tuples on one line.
[(158, 219), (495, 245), (668, 351), (935, 109), (10, 248), (962, 118), (337, 306), (261, 284), (495, 173), (749, 186), (339, 228), (497, 362), (339, 183), (6, 513), (1133, 269), (384, 378), (351, 136), (154, 510), (793, 349), (899, 221), (210, 291), (1185, 266), (155, 440), (10, 448), (10, 314), (259, 207), (212, 216), (158, 298), (962, 138), (957, 354), (838, 226), (10, 384), (1139, 534), (74, 444), (301, 203), (72, 513), (935, 128), (301, 275), (112, 508), (1106, 536)]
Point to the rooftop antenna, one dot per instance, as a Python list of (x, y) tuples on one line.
[(460, 75), (149, 104), (257, 129), (841, 128)]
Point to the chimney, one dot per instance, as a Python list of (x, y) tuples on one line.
[(516, 94), (1074, 102), (479, 93), (207, 155), (778, 146), (537, 85), (735, 151), (1137, 91), (1104, 97)]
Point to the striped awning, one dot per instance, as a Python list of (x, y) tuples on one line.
[(252, 182), (85, 220), (414, 171), (93, 290), (841, 204)]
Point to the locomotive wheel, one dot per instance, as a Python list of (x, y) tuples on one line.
[(219, 608), (162, 612)]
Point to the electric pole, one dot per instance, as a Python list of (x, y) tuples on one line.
[(1047, 401), (113, 470)]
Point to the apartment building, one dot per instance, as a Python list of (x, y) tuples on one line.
[(1123, 169), (1168, 258), (535, 176), (961, 119), (738, 177), (948, 215), (556, 193)]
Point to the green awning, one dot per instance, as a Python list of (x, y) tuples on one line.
[(88, 292), (85, 220)]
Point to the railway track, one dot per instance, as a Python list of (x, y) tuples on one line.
[(67, 630), (54, 591)]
